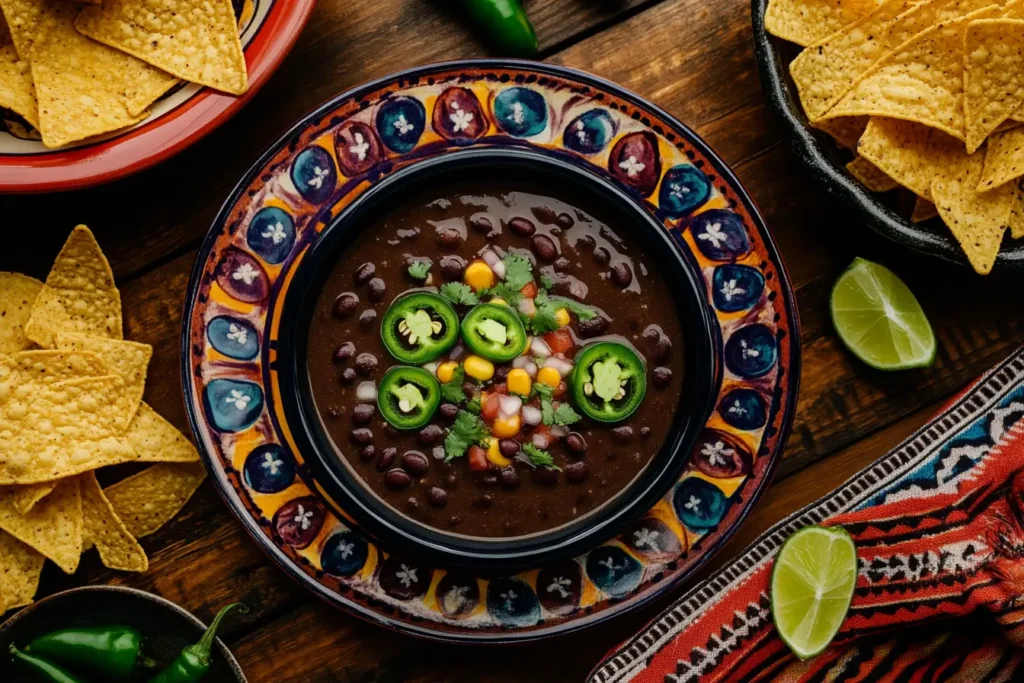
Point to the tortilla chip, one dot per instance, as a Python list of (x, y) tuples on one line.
[(1004, 159), (128, 359), (79, 295), (47, 366), (24, 18), (25, 497), (53, 527), (993, 76), (20, 567), (845, 130), (977, 220), (806, 22), (196, 40), (17, 91), (103, 529), (1017, 216), (151, 498), (924, 210), (900, 149), (157, 440), (870, 176), (922, 80), (17, 294), (49, 431)]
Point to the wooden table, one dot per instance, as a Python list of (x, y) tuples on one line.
[(692, 57)]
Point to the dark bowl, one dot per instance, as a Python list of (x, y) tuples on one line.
[(827, 162), (166, 627), (400, 532)]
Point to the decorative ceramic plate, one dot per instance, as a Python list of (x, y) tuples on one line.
[(333, 155), (269, 29)]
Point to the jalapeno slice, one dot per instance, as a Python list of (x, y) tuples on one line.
[(494, 332), (608, 382), (419, 327), (408, 396)]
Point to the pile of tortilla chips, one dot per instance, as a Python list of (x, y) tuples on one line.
[(75, 71), (71, 402), (929, 95)]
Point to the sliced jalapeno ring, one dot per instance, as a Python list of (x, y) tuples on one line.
[(494, 332), (419, 327), (608, 382), (408, 396)]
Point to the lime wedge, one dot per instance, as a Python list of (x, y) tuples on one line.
[(879, 320), (812, 586)]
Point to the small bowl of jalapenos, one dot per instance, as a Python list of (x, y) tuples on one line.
[(495, 358)]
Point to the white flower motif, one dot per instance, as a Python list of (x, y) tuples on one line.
[(271, 463), (346, 549), (518, 114), (581, 132), (716, 453), (402, 126), (317, 180), (302, 518), (646, 538), (246, 273), (737, 409), (731, 289), (360, 148), (693, 504), (746, 351), (679, 190), (276, 232), (713, 234), (407, 575), (609, 564), (238, 399), (509, 598), (455, 599), (238, 334), (631, 166), (558, 586), (460, 119)]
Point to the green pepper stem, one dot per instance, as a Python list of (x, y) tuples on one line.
[(204, 647)]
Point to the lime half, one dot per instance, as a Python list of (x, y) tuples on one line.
[(812, 586), (879, 320)]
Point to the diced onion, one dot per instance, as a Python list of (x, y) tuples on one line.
[(366, 392), (456, 352), (559, 431), (563, 366), (527, 307), (520, 361), (431, 368), (496, 264), (541, 440), (509, 405), (539, 347), (531, 369), (531, 416)]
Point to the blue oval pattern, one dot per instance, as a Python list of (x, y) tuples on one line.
[(589, 132), (233, 337), (512, 602), (521, 112), (683, 189), (720, 235), (271, 234), (744, 409), (314, 174), (269, 469), (699, 504), (614, 571), (232, 405), (400, 123), (736, 287), (344, 554), (751, 351)]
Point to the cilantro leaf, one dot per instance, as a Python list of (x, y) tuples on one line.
[(539, 457), (503, 291), (467, 430), (419, 269), (545, 392), (564, 415), (459, 293), (518, 271), (544, 320), (582, 311), (452, 391), (474, 405), (546, 282)]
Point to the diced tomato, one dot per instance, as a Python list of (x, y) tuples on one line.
[(544, 431), (559, 391), (500, 388), (489, 410), (529, 290), (478, 461), (559, 341)]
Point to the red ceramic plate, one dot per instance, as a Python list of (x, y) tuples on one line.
[(269, 30)]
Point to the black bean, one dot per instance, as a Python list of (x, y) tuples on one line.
[(593, 327), (501, 373), (448, 411), (523, 227), (366, 363), (562, 264), (481, 223), (345, 305), (397, 479), (348, 376), (645, 432), (545, 476), (585, 243), (363, 413), (602, 256), (377, 289), (362, 436), (622, 274), (544, 247), (565, 221), (576, 443), (508, 447), (415, 462), (468, 388), (575, 472), (412, 505), (344, 352), (660, 377), (364, 273), (334, 412), (367, 318), (437, 496), (483, 502), (623, 434), (510, 478), (430, 435), (659, 346), (451, 480), (452, 267), (368, 453), (449, 239), (555, 231), (386, 458), (545, 214), (487, 480)]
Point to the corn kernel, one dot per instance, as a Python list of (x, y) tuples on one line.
[(479, 275), (519, 382), (445, 371), (498, 301), (479, 368), (562, 317), (505, 427), (549, 376), (495, 456)]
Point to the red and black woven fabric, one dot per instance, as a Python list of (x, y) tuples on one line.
[(939, 528)]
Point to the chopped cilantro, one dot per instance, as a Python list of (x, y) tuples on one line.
[(467, 430), (539, 457), (503, 291), (544, 319), (474, 405), (547, 411), (459, 293), (419, 269), (546, 282), (582, 311), (518, 271), (564, 415), (452, 391)]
